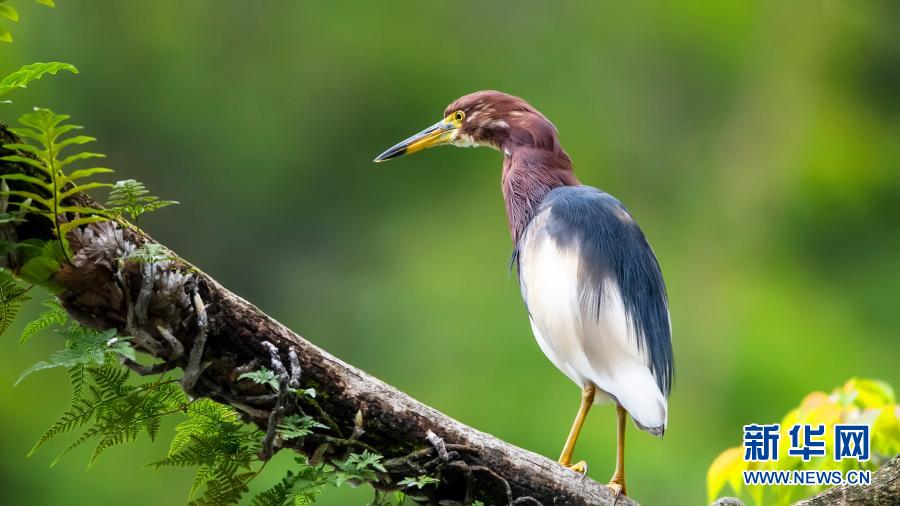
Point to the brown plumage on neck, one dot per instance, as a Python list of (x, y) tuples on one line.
[(529, 173), (534, 162)]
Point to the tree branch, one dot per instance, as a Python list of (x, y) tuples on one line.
[(884, 490), (183, 317)]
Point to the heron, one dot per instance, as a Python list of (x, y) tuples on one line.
[(591, 283)]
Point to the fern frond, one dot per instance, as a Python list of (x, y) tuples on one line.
[(214, 439), (225, 488), (113, 412), (45, 131), (358, 467), (298, 487), (204, 473), (83, 346), (78, 414), (205, 416), (54, 315), (262, 376), (12, 295), (132, 197), (298, 426)]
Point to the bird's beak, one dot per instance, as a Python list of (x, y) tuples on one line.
[(438, 134)]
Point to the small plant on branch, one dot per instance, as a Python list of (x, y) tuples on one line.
[(132, 198), (53, 185)]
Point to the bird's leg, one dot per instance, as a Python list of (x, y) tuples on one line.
[(617, 482), (587, 399)]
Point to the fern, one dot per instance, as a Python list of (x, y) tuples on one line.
[(132, 197), (44, 129), (358, 467), (32, 72), (298, 426), (54, 315), (419, 482), (82, 410), (113, 412), (262, 376), (12, 295), (214, 439), (298, 488), (83, 346)]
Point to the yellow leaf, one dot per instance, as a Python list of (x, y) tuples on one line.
[(825, 413), (886, 431), (873, 394), (726, 468)]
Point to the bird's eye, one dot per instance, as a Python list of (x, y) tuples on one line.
[(459, 115)]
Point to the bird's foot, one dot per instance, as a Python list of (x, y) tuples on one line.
[(617, 485), (579, 467)]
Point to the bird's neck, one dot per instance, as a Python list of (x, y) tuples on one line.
[(529, 173)]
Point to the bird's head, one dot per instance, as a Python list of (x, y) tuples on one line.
[(484, 118)]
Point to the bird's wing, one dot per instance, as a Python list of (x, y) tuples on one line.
[(597, 300)]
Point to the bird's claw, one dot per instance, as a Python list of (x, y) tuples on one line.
[(579, 467), (618, 487)]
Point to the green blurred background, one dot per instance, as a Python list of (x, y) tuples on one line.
[(757, 143)]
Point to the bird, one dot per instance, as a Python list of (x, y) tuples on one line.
[(592, 286)]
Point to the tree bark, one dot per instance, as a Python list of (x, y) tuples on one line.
[(184, 318), (883, 491)]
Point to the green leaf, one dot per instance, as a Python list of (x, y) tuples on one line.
[(40, 269), (12, 295), (83, 346), (9, 13), (69, 225), (132, 197), (298, 426), (886, 431), (19, 146), (873, 393), (26, 178), (28, 73), (24, 159), (54, 315), (74, 158), (48, 3), (358, 467), (300, 486), (82, 173), (45, 129), (419, 482), (78, 139), (262, 376), (48, 203), (5, 36), (81, 189), (216, 441)]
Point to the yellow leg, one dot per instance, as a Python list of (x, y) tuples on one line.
[(587, 399), (617, 482)]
